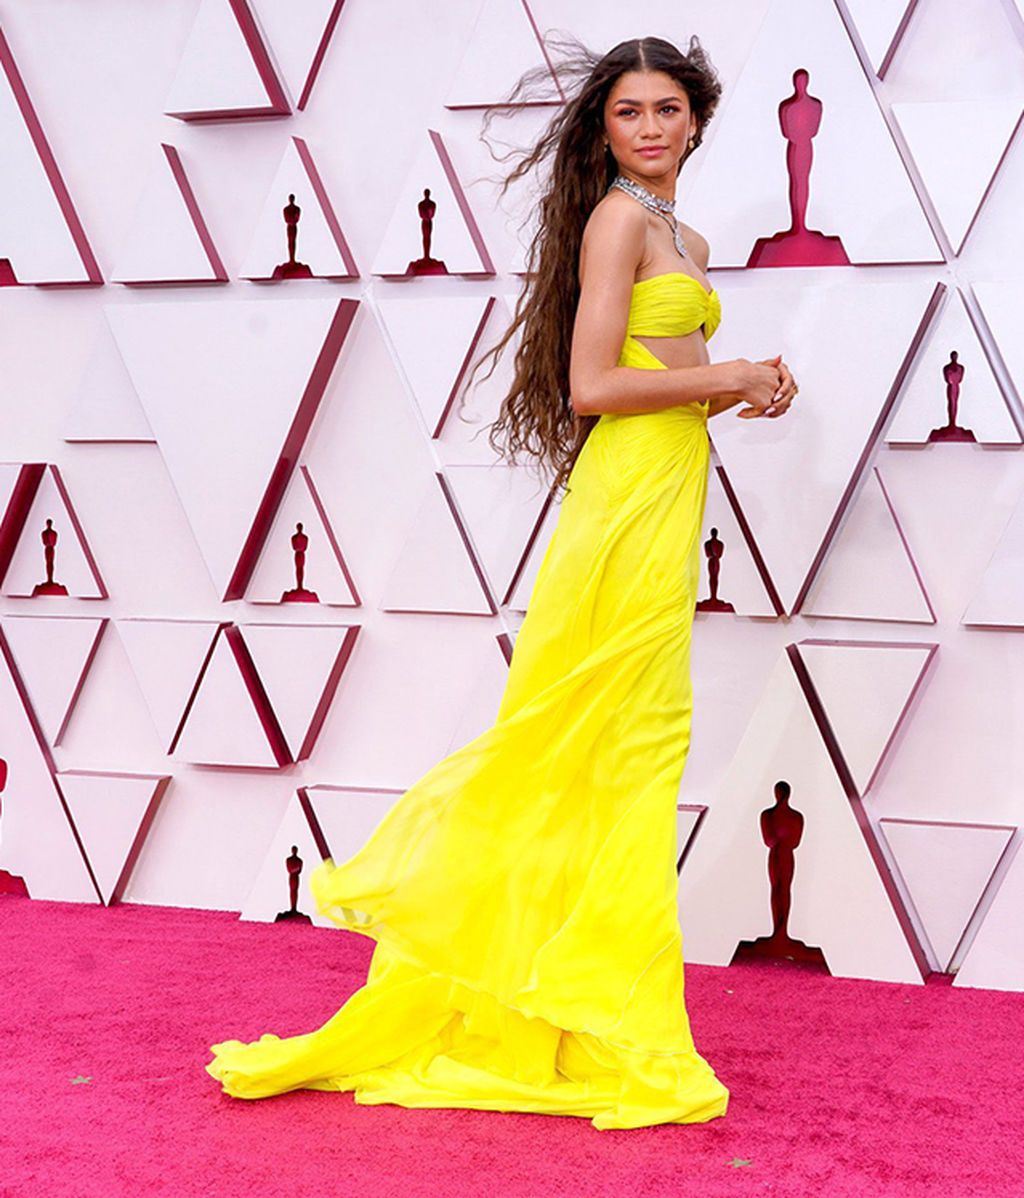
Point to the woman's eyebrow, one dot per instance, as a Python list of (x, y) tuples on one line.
[(663, 100)]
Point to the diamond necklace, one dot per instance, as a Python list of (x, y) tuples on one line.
[(656, 204)]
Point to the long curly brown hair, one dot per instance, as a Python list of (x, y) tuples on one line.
[(536, 415)]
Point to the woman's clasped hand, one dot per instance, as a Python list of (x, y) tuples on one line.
[(767, 386)]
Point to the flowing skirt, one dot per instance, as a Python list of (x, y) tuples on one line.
[(522, 893)]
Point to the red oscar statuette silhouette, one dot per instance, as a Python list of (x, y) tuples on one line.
[(782, 828), (799, 118), (953, 373), (300, 543), (294, 866), (713, 551), (426, 265), (49, 587), (292, 269)]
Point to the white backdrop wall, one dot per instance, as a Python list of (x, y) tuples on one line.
[(171, 728)]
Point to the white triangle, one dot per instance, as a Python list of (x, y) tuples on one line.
[(166, 657), (217, 75), (456, 239), (995, 959), (946, 868), (74, 566), (300, 667), (110, 812), (999, 599), (39, 231), (270, 893), (500, 506), (463, 435), (223, 386), (223, 726), (53, 655), (980, 404), (502, 47), (36, 839), (864, 690), (869, 573), (319, 243), (880, 23), (958, 177), (349, 815), (104, 406), (168, 240), (434, 570), (432, 340), (298, 35), (325, 570), (739, 579)]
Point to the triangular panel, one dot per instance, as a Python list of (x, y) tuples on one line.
[(302, 519), (113, 813), (947, 868), (865, 690), (456, 245), (167, 658), (52, 524), (230, 390), (870, 572), (104, 405), (300, 666), (168, 240), (225, 72), (298, 200), (41, 237), (435, 569), (53, 655)]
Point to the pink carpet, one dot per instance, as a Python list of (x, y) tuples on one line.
[(838, 1087)]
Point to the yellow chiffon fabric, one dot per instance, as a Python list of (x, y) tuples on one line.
[(522, 893)]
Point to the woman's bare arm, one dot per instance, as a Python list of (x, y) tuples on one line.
[(612, 248)]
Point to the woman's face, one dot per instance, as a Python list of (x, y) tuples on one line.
[(648, 124)]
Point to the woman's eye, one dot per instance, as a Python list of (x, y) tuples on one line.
[(664, 108)]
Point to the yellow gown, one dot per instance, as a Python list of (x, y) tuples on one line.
[(522, 893)]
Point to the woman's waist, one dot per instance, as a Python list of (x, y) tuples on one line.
[(678, 415), (651, 351)]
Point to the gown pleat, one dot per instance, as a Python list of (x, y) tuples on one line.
[(522, 893)]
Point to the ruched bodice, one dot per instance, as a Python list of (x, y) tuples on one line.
[(672, 305)]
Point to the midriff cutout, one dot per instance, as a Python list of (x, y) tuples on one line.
[(676, 352)]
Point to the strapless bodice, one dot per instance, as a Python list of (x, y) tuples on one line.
[(672, 305)]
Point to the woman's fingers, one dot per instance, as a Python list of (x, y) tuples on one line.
[(785, 381)]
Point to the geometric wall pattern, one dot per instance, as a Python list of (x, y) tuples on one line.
[(259, 568)]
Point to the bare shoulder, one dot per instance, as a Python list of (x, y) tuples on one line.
[(616, 231), (697, 245)]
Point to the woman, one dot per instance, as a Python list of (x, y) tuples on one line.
[(522, 893)]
